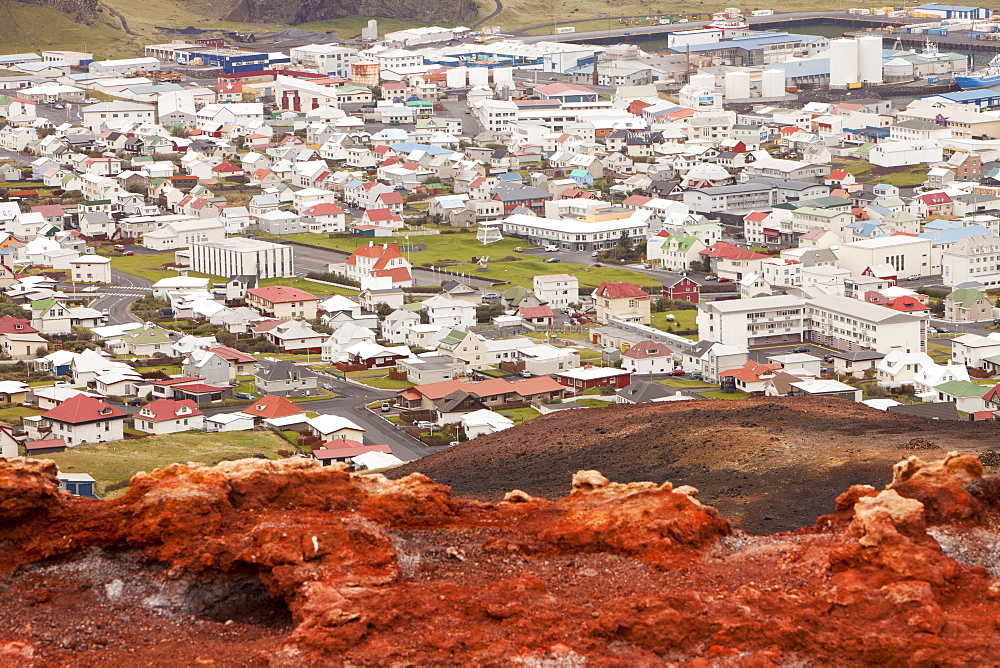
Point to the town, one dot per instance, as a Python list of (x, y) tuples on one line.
[(370, 251)]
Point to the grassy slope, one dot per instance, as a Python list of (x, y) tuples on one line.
[(117, 461), (350, 27), (33, 28)]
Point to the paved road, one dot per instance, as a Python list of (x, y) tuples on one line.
[(117, 299), (16, 157)]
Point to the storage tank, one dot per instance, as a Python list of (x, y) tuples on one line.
[(455, 77), (503, 75), (772, 83), (479, 76), (843, 62), (870, 59), (706, 81), (898, 69), (365, 72), (737, 85)]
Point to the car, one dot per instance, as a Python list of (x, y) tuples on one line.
[(491, 295), (722, 279), (526, 374), (119, 247), (59, 106), (940, 330), (551, 248), (676, 372), (135, 402), (385, 407), (453, 444), (105, 312), (598, 264), (127, 253), (553, 78), (697, 375), (595, 253), (647, 266), (739, 235), (553, 259), (711, 277), (914, 277), (828, 359), (423, 424), (244, 395), (800, 349)]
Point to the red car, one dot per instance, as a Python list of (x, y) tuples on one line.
[(676, 372), (129, 253), (720, 279)]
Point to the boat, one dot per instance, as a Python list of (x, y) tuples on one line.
[(983, 78)]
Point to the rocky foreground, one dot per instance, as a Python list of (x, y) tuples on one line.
[(288, 564)]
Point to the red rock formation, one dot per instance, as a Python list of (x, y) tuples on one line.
[(289, 564)]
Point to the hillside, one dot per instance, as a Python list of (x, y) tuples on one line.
[(766, 464), (289, 564)]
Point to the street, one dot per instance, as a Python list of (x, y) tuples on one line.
[(117, 299)]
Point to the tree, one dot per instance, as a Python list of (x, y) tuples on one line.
[(41, 351), (382, 310), (425, 318), (625, 242)]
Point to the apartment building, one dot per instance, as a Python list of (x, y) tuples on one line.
[(906, 255), (557, 290), (837, 322), (973, 259)]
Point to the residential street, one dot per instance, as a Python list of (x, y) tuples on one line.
[(117, 299)]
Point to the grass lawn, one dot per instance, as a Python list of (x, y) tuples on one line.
[(380, 382), (170, 370), (683, 320), (148, 266), (119, 460), (680, 382), (245, 386), (15, 413), (445, 249), (519, 415), (724, 395), (312, 287), (595, 403), (588, 354), (523, 271)]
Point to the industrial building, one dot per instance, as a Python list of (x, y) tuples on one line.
[(238, 256)]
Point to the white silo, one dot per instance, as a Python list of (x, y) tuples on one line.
[(706, 81), (737, 85), (843, 62), (772, 83), (455, 77), (870, 59), (503, 75), (479, 76)]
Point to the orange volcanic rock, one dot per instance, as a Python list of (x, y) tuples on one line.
[(286, 563)]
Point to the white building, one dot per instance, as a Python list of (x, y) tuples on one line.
[(168, 416), (557, 290), (908, 256), (183, 234), (325, 58), (91, 269), (973, 259), (116, 115), (238, 256)]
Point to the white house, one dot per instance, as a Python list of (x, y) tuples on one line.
[(557, 290), (169, 416), (91, 269), (79, 420)]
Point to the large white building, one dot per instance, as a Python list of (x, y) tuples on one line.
[(908, 256), (837, 322), (557, 290), (325, 58), (115, 115), (242, 257), (974, 258), (597, 232)]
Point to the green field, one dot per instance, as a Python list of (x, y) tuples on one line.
[(117, 461), (736, 396), (350, 27), (684, 320), (15, 413), (901, 177)]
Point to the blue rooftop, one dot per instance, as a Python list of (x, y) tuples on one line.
[(408, 146), (950, 236), (971, 95), (750, 42)]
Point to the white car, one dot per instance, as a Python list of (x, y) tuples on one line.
[(423, 424)]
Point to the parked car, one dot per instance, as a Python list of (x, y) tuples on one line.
[(941, 330), (595, 253), (697, 375), (385, 407), (828, 359), (526, 374), (119, 247), (129, 253), (423, 424), (244, 395), (721, 279), (711, 277), (553, 259), (800, 349), (739, 235), (647, 266), (676, 372), (598, 264)]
